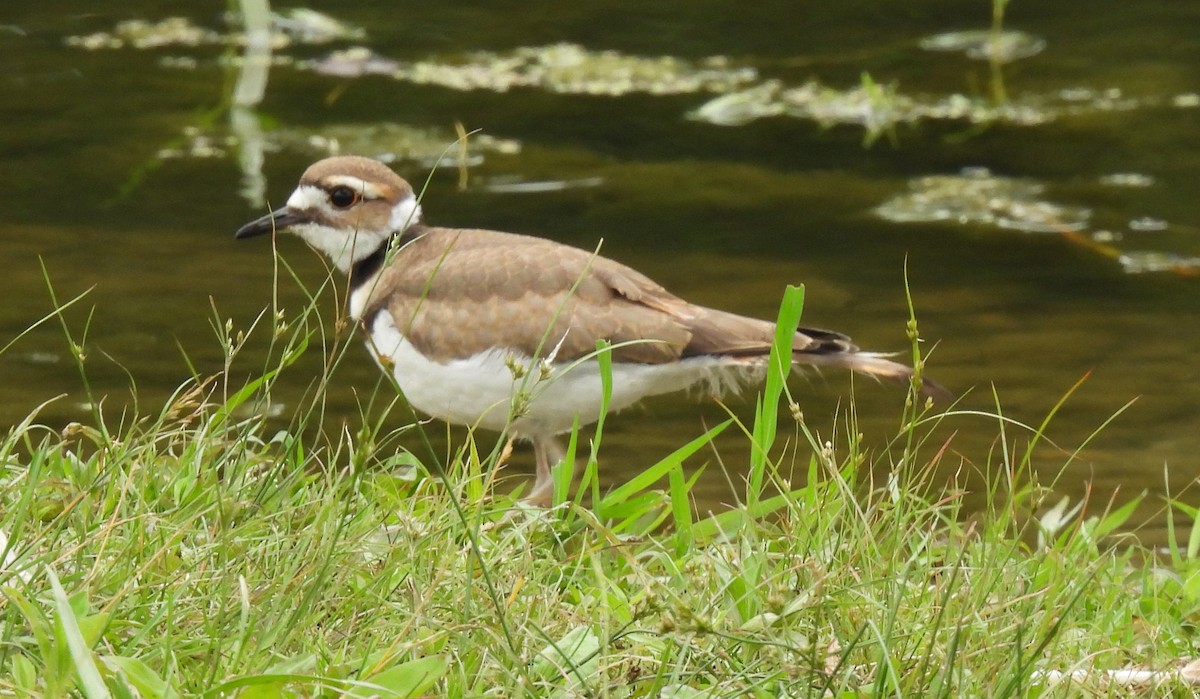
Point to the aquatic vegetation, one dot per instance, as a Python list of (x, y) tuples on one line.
[(294, 26), (305, 26), (562, 68), (1147, 224), (354, 62), (1144, 261), (978, 197), (986, 45), (877, 108), (874, 107), (742, 107), (741, 97), (141, 34), (1135, 180), (387, 141)]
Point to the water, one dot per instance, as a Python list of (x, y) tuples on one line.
[(722, 215)]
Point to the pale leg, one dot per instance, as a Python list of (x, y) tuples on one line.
[(546, 453)]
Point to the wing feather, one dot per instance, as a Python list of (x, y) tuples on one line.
[(456, 293)]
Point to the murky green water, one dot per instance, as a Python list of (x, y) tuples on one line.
[(721, 214)]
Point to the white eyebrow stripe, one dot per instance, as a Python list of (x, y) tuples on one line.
[(369, 190)]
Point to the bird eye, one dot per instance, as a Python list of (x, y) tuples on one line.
[(343, 197)]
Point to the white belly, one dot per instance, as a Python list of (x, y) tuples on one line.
[(483, 390)]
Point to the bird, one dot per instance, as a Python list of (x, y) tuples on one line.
[(500, 330)]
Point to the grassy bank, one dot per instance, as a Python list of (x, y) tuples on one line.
[(201, 550)]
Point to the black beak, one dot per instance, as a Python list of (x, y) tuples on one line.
[(277, 220)]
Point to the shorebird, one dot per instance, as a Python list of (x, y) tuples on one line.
[(499, 330)]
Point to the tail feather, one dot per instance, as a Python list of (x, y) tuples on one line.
[(721, 334), (872, 364)]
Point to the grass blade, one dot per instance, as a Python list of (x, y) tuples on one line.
[(81, 655)]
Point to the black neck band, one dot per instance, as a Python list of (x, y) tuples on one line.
[(367, 267)]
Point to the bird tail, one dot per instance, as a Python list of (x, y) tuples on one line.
[(721, 334), (869, 363)]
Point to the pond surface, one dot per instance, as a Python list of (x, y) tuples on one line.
[(1043, 201)]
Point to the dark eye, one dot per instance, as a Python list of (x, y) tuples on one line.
[(343, 197)]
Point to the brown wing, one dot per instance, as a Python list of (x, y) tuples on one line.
[(455, 293)]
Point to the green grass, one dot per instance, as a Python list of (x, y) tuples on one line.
[(198, 550)]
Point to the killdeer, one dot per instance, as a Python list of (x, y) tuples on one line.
[(499, 330)]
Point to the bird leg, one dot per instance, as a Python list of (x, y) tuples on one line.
[(546, 453)]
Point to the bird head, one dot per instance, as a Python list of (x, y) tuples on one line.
[(347, 207)]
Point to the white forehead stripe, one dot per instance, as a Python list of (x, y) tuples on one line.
[(306, 198)]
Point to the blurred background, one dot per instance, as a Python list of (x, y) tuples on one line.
[(1033, 167)]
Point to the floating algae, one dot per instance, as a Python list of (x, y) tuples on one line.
[(561, 68), (986, 45), (296, 26), (386, 141), (978, 197)]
